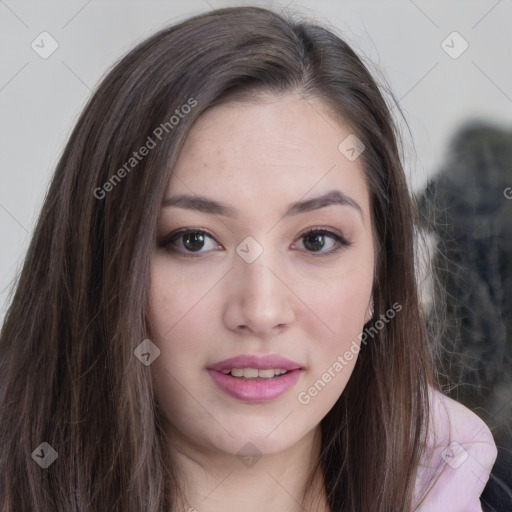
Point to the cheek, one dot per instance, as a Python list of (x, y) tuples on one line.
[(178, 323), (340, 302), (177, 320), (176, 296)]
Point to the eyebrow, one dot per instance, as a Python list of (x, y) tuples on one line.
[(207, 205)]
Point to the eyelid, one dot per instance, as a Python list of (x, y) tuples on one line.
[(323, 229)]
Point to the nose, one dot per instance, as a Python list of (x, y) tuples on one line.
[(259, 301)]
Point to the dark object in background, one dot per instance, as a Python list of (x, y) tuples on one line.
[(468, 208), (497, 495)]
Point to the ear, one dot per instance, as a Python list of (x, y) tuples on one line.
[(369, 311)]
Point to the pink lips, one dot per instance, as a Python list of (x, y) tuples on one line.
[(255, 390)]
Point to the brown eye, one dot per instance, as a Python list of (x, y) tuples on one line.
[(314, 242), (193, 241), (189, 242), (323, 242)]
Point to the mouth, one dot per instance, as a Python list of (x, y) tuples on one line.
[(255, 379), (256, 374), (255, 389)]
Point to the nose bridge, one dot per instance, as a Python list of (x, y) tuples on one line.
[(257, 284), (252, 263), (260, 301)]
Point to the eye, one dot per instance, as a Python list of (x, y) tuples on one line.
[(189, 241), (323, 241)]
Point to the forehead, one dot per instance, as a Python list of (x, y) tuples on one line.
[(270, 152)]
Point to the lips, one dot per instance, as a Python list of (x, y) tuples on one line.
[(255, 389), (259, 363)]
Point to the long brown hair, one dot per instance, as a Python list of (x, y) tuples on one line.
[(68, 372)]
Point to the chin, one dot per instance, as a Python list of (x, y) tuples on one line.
[(264, 437)]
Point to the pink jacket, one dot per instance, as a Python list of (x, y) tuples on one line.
[(456, 464)]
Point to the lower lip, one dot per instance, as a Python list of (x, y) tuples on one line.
[(254, 390)]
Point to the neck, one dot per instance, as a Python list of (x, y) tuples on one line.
[(215, 480)]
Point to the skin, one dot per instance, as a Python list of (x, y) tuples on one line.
[(308, 306)]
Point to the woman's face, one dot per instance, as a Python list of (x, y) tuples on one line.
[(265, 255)]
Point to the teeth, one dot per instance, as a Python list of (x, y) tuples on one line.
[(266, 374), (251, 373)]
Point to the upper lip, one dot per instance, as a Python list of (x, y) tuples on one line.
[(258, 362)]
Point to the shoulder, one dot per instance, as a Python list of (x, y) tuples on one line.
[(457, 459)]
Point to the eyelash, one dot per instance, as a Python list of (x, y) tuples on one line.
[(168, 242)]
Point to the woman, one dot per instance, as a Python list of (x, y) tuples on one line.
[(218, 309)]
